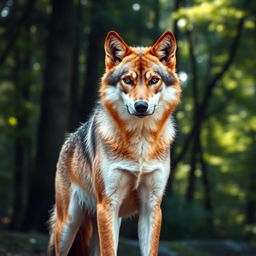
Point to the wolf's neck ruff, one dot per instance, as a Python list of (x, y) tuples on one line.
[(135, 138)]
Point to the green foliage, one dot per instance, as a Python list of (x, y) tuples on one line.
[(229, 135)]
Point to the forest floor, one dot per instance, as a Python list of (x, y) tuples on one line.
[(33, 244)]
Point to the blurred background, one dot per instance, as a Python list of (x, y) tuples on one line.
[(51, 61)]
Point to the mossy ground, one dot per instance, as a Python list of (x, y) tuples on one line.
[(34, 244)]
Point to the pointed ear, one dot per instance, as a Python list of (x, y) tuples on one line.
[(164, 48), (115, 48)]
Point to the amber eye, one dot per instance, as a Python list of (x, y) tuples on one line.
[(128, 80), (153, 80)]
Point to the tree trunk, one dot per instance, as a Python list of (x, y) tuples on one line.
[(196, 118), (250, 204), (22, 147), (207, 188), (193, 164), (75, 81), (54, 113), (94, 56), (177, 5)]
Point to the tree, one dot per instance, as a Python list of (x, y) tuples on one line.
[(76, 81), (94, 56), (54, 113), (23, 140)]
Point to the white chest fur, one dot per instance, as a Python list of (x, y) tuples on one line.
[(127, 173), (120, 172)]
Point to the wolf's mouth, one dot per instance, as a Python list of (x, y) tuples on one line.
[(140, 115)]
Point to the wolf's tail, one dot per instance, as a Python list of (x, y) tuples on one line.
[(81, 244)]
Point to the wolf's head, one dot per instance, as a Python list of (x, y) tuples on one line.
[(140, 81)]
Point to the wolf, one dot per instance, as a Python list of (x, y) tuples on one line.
[(117, 163)]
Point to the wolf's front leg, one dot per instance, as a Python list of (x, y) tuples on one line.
[(151, 192), (116, 189), (106, 222), (149, 226), (108, 226)]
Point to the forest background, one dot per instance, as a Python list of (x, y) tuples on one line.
[(51, 61)]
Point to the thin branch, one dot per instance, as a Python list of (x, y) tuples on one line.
[(190, 135), (219, 108), (232, 53), (208, 93), (187, 141)]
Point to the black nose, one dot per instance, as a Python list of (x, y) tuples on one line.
[(141, 106)]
